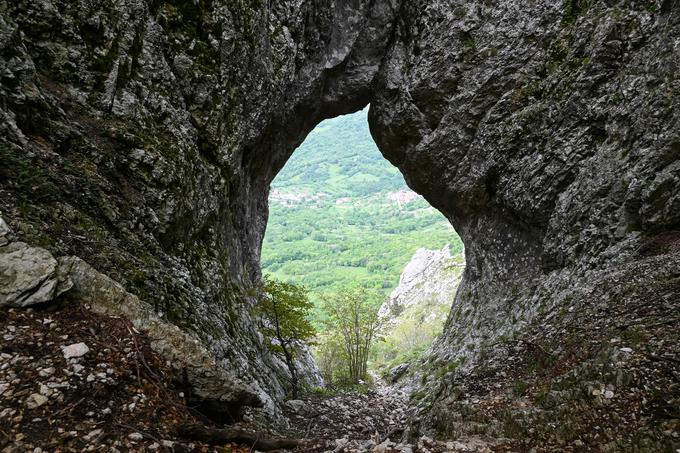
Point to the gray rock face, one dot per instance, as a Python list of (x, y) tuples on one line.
[(143, 138), (398, 371), (541, 130), (4, 233), (28, 276), (414, 315), (429, 281)]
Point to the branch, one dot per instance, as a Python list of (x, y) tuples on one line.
[(218, 436)]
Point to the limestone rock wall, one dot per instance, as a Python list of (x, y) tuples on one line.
[(547, 133), (141, 136)]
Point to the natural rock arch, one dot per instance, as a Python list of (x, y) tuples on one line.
[(540, 129)]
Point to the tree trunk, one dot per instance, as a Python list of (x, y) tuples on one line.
[(293, 371)]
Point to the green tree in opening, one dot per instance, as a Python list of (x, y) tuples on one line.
[(353, 314), (285, 309)]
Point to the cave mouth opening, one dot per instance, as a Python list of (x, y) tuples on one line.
[(341, 215)]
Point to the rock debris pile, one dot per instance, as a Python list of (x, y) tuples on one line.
[(364, 422), (349, 422)]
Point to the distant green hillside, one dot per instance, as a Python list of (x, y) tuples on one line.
[(340, 158), (340, 214)]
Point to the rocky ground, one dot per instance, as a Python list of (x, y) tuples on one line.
[(366, 422), (73, 380), (589, 377), (350, 421)]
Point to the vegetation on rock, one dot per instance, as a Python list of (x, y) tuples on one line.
[(415, 314)]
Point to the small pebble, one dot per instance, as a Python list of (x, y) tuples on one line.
[(135, 437)]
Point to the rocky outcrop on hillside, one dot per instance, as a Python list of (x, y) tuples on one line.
[(428, 281), (31, 276), (414, 315), (142, 137)]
